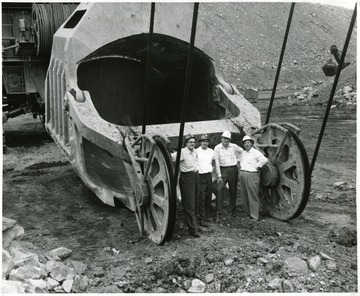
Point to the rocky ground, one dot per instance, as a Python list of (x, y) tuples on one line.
[(60, 238), (315, 252)]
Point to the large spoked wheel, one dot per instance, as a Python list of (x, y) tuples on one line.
[(285, 179), (155, 204)]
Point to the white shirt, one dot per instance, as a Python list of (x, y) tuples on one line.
[(252, 160), (226, 156), (205, 157), (188, 160)]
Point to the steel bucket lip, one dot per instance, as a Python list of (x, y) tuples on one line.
[(90, 118)]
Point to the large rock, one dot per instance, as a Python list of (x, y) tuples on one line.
[(314, 263), (26, 273), (197, 286), (12, 287), (79, 267), (295, 266), (7, 223), (209, 278), (287, 286), (339, 185), (274, 284), (23, 258), (61, 253), (331, 265), (7, 263), (67, 285), (50, 265), (51, 283), (10, 234), (28, 247), (60, 272), (84, 283), (40, 286)]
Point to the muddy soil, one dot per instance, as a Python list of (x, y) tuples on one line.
[(44, 194)]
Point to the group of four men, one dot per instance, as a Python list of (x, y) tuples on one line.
[(196, 166)]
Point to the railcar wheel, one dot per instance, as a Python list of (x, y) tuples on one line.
[(285, 180), (155, 204)]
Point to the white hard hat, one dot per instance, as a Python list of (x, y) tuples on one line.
[(226, 134), (247, 138)]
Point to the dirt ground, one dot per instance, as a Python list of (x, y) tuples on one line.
[(44, 194)]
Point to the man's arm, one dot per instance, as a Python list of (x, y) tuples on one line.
[(261, 160), (238, 153), (173, 156), (217, 166), (238, 150)]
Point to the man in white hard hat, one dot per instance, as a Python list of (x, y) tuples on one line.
[(250, 162), (205, 157), (226, 159), (189, 183)]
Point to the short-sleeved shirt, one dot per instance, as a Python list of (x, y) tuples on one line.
[(205, 158), (252, 160), (188, 160), (228, 156)]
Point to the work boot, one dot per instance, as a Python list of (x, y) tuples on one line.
[(195, 234), (219, 218), (208, 219), (203, 224)]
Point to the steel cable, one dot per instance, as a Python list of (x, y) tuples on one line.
[(333, 90), (280, 62), (47, 18), (148, 66), (186, 94)]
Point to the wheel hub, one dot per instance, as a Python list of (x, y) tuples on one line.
[(142, 194), (269, 175)]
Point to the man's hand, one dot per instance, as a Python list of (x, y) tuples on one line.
[(219, 179)]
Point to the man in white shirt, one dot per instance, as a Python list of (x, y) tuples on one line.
[(250, 162), (189, 183), (226, 160), (205, 157)]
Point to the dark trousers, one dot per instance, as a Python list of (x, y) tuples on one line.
[(205, 195), (230, 176), (249, 190), (189, 188)]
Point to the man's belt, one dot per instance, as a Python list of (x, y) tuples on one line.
[(249, 172), (229, 166), (189, 172), (204, 173)]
